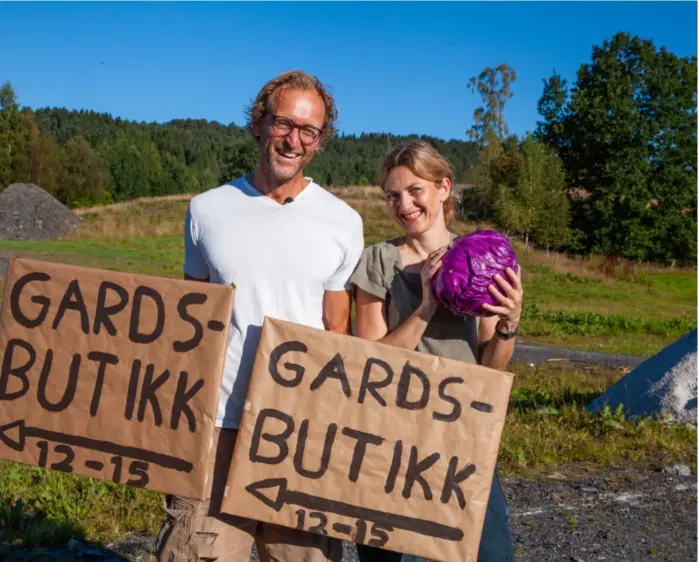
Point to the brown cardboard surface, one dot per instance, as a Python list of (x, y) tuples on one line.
[(111, 375), (393, 464)]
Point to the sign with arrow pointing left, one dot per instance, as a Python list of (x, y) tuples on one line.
[(367, 442), (111, 375)]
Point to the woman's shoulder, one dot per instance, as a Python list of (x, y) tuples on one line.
[(383, 253), (376, 268)]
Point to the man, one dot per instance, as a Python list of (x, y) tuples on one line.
[(289, 247)]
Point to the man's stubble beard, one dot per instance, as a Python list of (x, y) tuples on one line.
[(284, 176)]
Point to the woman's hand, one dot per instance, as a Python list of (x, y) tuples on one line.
[(429, 268), (509, 296)]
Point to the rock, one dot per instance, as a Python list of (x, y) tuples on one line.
[(677, 470), (557, 476)]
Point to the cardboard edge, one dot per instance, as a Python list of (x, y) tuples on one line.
[(10, 279), (495, 445), (267, 326), (220, 368), (87, 270)]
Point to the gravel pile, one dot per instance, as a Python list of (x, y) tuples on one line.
[(663, 386), (27, 212)]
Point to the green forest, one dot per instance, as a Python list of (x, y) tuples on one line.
[(610, 168)]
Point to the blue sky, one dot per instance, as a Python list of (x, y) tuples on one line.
[(393, 67)]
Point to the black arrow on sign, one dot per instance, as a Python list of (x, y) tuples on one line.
[(14, 434), (274, 493)]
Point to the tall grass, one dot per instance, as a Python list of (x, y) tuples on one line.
[(556, 322)]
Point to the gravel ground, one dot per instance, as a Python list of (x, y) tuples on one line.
[(616, 515)]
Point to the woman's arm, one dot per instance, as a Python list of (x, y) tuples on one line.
[(371, 322), (371, 314), (496, 352)]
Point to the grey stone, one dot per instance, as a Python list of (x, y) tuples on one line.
[(677, 470)]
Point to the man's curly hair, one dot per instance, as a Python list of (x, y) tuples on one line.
[(294, 79)]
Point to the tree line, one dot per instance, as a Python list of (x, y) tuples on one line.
[(86, 158), (610, 167)]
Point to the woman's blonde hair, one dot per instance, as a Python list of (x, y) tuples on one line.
[(424, 161)]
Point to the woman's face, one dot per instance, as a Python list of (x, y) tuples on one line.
[(416, 204)]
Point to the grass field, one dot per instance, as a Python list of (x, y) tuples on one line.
[(568, 302)]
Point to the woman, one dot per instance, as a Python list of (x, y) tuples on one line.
[(395, 303)]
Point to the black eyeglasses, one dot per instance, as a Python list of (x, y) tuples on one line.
[(283, 126)]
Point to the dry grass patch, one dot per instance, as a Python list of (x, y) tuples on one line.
[(125, 204), (148, 218), (358, 192)]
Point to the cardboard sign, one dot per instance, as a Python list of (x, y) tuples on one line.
[(368, 442), (111, 375)]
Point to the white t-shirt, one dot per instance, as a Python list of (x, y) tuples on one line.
[(281, 259)]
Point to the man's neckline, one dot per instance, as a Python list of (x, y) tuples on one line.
[(303, 193)]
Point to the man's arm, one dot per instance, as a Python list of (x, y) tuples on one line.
[(336, 302), (336, 311)]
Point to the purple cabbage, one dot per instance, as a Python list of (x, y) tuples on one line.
[(468, 267)]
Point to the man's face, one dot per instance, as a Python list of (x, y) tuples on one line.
[(286, 149)]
